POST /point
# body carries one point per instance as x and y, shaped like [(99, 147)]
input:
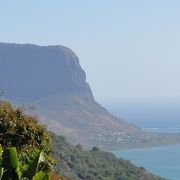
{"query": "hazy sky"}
[(130, 49)]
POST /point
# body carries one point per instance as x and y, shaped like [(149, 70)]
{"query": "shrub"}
[(21, 131), (24, 133)]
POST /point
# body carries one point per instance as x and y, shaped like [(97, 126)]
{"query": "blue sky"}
[(129, 49)]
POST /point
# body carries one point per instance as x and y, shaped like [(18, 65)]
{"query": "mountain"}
[(51, 79)]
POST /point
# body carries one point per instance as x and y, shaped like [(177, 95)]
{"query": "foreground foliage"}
[(74, 162), (10, 167), (26, 144), (23, 132)]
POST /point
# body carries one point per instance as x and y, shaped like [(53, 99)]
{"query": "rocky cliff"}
[(51, 78), (32, 72)]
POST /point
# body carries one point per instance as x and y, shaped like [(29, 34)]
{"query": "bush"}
[(21, 131), (24, 133)]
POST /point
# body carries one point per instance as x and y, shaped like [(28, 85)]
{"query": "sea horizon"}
[(147, 115)]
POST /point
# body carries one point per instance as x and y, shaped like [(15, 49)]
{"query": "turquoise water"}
[(163, 161), (154, 117)]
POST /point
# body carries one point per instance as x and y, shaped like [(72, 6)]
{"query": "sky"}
[(130, 50)]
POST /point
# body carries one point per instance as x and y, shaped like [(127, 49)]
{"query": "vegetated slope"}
[(30, 139), (25, 148), (51, 78), (76, 163)]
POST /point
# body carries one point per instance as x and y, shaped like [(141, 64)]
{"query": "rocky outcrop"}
[(30, 72)]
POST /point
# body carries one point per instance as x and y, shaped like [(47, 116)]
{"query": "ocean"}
[(156, 117), (163, 161)]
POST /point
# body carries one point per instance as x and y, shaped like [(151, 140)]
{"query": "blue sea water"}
[(155, 117), (163, 161)]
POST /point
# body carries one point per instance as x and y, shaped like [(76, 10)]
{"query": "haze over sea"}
[(157, 117), (163, 114)]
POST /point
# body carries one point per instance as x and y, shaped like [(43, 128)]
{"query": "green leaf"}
[(18, 172), (10, 159), (1, 172), (1, 150), (11, 164), (40, 176), (38, 157)]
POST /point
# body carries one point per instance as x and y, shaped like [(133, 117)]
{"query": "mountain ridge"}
[(51, 78)]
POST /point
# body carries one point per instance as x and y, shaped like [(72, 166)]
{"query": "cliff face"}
[(30, 72), (51, 78)]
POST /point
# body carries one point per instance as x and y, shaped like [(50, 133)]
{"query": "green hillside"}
[(74, 162)]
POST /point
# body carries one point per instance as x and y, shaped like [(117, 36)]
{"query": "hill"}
[(51, 78), (95, 164)]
